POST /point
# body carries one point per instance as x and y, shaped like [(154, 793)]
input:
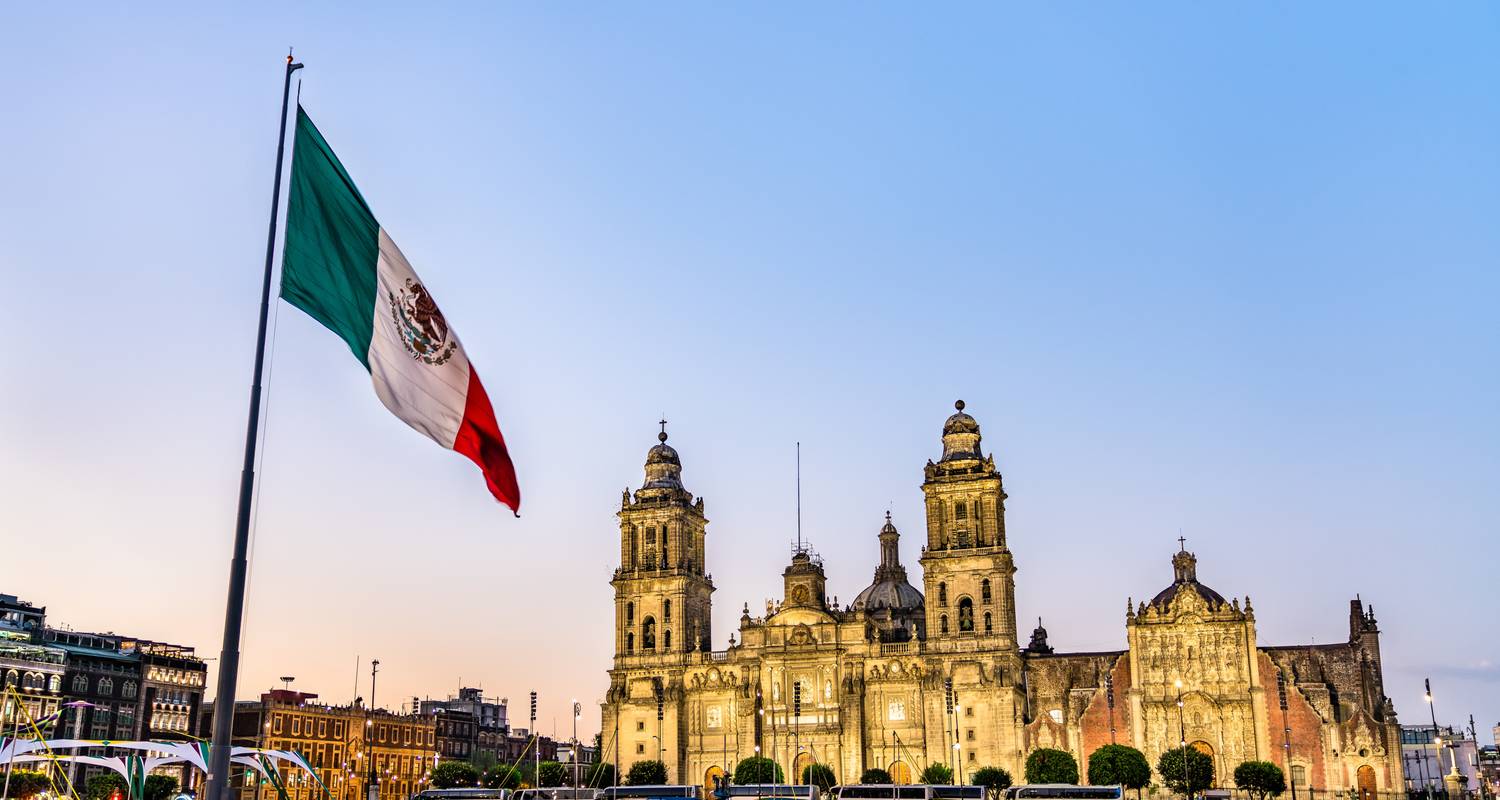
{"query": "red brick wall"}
[(1094, 724), (1306, 725)]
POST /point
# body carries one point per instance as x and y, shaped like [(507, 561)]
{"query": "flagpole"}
[(234, 610)]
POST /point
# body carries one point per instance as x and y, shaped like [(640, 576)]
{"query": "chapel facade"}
[(900, 678)]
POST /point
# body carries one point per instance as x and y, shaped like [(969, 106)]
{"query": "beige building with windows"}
[(900, 679)]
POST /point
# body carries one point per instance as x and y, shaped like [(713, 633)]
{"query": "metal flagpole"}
[(234, 610)]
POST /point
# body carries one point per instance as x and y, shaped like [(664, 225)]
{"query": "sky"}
[(1223, 271)]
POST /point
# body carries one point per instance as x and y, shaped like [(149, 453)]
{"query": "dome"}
[(960, 422), (961, 437), (662, 453), (1185, 570), (890, 589), (663, 466)]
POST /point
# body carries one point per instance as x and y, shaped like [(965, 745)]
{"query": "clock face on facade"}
[(799, 595)]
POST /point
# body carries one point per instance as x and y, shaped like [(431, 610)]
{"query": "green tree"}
[(646, 773), (1046, 765), (1260, 779), (758, 769), (160, 787), (551, 773), (101, 786), (1193, 776), (503, 776), (455, 775), (484, 760), (995, 779), (875, 775), (819, 775), (1122, 764), (25, 783), (600, 775), (936, 773)]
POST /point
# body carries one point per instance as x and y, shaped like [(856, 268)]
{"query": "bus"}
[(910, 791), (1065, 791), (555, 793), (648, 793), (462, 794), (773, 791)]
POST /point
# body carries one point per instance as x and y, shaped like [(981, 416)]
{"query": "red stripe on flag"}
[(479, 438)]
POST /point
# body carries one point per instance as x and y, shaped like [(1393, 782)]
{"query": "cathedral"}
[(901, 678)]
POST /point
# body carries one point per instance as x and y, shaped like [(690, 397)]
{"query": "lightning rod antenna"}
[(799, 497)]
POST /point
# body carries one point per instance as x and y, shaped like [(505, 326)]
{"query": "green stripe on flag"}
[(332, 243)]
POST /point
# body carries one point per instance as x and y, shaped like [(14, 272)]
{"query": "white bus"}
[(1064, 791), (463, 794), (555, 793), (648, 793), (773, 791), (910, 791)]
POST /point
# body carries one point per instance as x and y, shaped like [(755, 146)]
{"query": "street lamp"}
[(1187, 785), (577, 712)]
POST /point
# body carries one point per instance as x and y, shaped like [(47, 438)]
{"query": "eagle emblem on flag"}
[(423, 330)]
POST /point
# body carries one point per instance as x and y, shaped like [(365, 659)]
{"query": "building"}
[(338, 742), (1430, 754), (469, 726), (32, 672), (102, 687), (903, 678)]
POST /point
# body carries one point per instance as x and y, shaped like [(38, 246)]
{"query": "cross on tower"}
[(1182, 543), (663, 435)]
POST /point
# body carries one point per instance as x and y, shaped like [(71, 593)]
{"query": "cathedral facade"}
[(902, 678)]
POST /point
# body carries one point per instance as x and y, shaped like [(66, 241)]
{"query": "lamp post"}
[(1187, 784), (372, 781), (577, 712), (1432, 710), (1286, 728), (1478, 776)]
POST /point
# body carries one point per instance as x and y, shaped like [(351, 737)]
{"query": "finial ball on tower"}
[(959, 405)]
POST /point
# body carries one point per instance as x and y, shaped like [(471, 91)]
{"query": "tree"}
[(502, 776), (454, 775), (600, 775), (160, 787), (818, 775), (1046, 765), (551, 773), (995, 779), (937, 774), (646, 773), (875, 775), (758, 769), (25, 783), (1261, 779), (1191, 777), (1119, 764), (101, 786)]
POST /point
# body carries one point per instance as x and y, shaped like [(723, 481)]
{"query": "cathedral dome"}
[(663, 466), (662, 453), (890, 589), (1185, 573), (961, 437)]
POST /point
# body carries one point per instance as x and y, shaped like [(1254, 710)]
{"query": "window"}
[(943, 624), (106, 686), (969, 712), (666, 639), (80, 683), (648, 634), (963, 539), (966, 615), (296, 726), (988, 626), (640, 726), (276, 723), (630, 642), (639, 748), (666, 611), (54, 684), (942, 594), (969, 735), (630, 613), (322, 728), (635, 547), (961, 510), (1299, 775), (128, 690), (984, 590)]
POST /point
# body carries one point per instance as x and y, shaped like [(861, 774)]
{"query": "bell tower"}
[(662, 588), (967, 570)]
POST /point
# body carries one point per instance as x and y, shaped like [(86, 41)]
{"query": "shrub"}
[(758, 769), (818, 775), (1261, 779), (1197, 775), (995, 779), (646, 773), (875, 775), (1046, 765), (937, 774), (1122, 764)]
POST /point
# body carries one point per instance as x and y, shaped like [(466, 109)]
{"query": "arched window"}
[(630, 642), (630, 613), (984, 590), (961, 510), (635, 548), (106, 686), (965, 615), (943, 624), (666, 639), (80, 684), (648, 634), (988, 625), (942, 594), (31, 681), (11, 677), (666, 611), (54, 684), (128, 690)]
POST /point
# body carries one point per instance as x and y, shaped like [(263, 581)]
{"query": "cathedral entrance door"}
[(1365, 776), (804, 760), (900, 772), (708, 780)]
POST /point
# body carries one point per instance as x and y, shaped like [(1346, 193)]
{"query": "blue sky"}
[(1225, 270)]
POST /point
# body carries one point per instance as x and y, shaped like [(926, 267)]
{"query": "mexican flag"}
[(342, 268)]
